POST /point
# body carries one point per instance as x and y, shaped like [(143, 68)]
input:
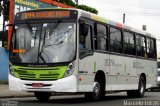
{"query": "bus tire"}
[(42, 96), (141, 89), (98, 91)]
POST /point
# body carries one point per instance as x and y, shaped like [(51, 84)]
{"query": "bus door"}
[(86, 62)]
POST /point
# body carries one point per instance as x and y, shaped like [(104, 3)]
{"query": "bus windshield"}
[(43, 42)]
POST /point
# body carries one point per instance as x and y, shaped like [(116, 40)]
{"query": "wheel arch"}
[(101, 75)]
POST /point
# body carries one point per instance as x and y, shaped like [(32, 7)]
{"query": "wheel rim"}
[(96, 90)]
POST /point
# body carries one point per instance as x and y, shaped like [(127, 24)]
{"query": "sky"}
[(138, 12)]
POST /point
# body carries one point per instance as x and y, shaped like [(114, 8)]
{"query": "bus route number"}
[(109, 62)]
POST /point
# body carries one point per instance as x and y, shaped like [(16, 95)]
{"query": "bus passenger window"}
[(151, 48), (140, 46), (101, 38), (115, 40), (85, 39), (129, 45)]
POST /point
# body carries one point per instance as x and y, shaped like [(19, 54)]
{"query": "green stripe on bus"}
[(95, 67)]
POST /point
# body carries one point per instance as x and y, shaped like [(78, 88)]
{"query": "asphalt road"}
[(117, 99)]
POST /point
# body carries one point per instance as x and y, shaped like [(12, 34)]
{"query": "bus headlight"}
[(70, 69)]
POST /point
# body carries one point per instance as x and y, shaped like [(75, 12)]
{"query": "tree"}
[(83, 7), (4, 9), (87, 8), (67, 2)]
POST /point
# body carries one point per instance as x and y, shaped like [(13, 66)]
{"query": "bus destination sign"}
[(45, 14)]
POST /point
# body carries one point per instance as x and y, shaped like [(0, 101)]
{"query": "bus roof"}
[(95, 17)]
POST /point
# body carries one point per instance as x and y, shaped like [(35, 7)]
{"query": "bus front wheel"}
[(98, 91), (42, 96)]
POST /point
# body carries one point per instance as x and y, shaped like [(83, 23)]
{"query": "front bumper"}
[(68, 84)]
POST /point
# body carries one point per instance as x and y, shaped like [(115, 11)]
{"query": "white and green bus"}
[(73, 51)]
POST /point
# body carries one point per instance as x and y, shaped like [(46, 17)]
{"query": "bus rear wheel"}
[(141, 89), (42, 96), (98, 91)]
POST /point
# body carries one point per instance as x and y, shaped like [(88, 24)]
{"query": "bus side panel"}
[(89, 66), (149, 68), (122, 74)]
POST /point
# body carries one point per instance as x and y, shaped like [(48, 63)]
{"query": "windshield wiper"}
[(43, 43)]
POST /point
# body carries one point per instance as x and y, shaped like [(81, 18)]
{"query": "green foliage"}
[(87, 8), (4, 9), (67, 2), (83, 7)]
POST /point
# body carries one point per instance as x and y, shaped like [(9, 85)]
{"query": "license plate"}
[(37, 84)]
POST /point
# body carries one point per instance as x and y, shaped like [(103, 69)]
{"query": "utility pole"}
[(77, 2), (144, 27), (124, 18)]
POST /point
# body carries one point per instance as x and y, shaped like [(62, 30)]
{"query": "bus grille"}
[(39, 74)]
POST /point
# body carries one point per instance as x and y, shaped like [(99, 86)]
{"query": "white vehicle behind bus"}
[(158, 74)]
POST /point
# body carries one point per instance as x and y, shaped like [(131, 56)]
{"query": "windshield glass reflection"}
[(43, 43)]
